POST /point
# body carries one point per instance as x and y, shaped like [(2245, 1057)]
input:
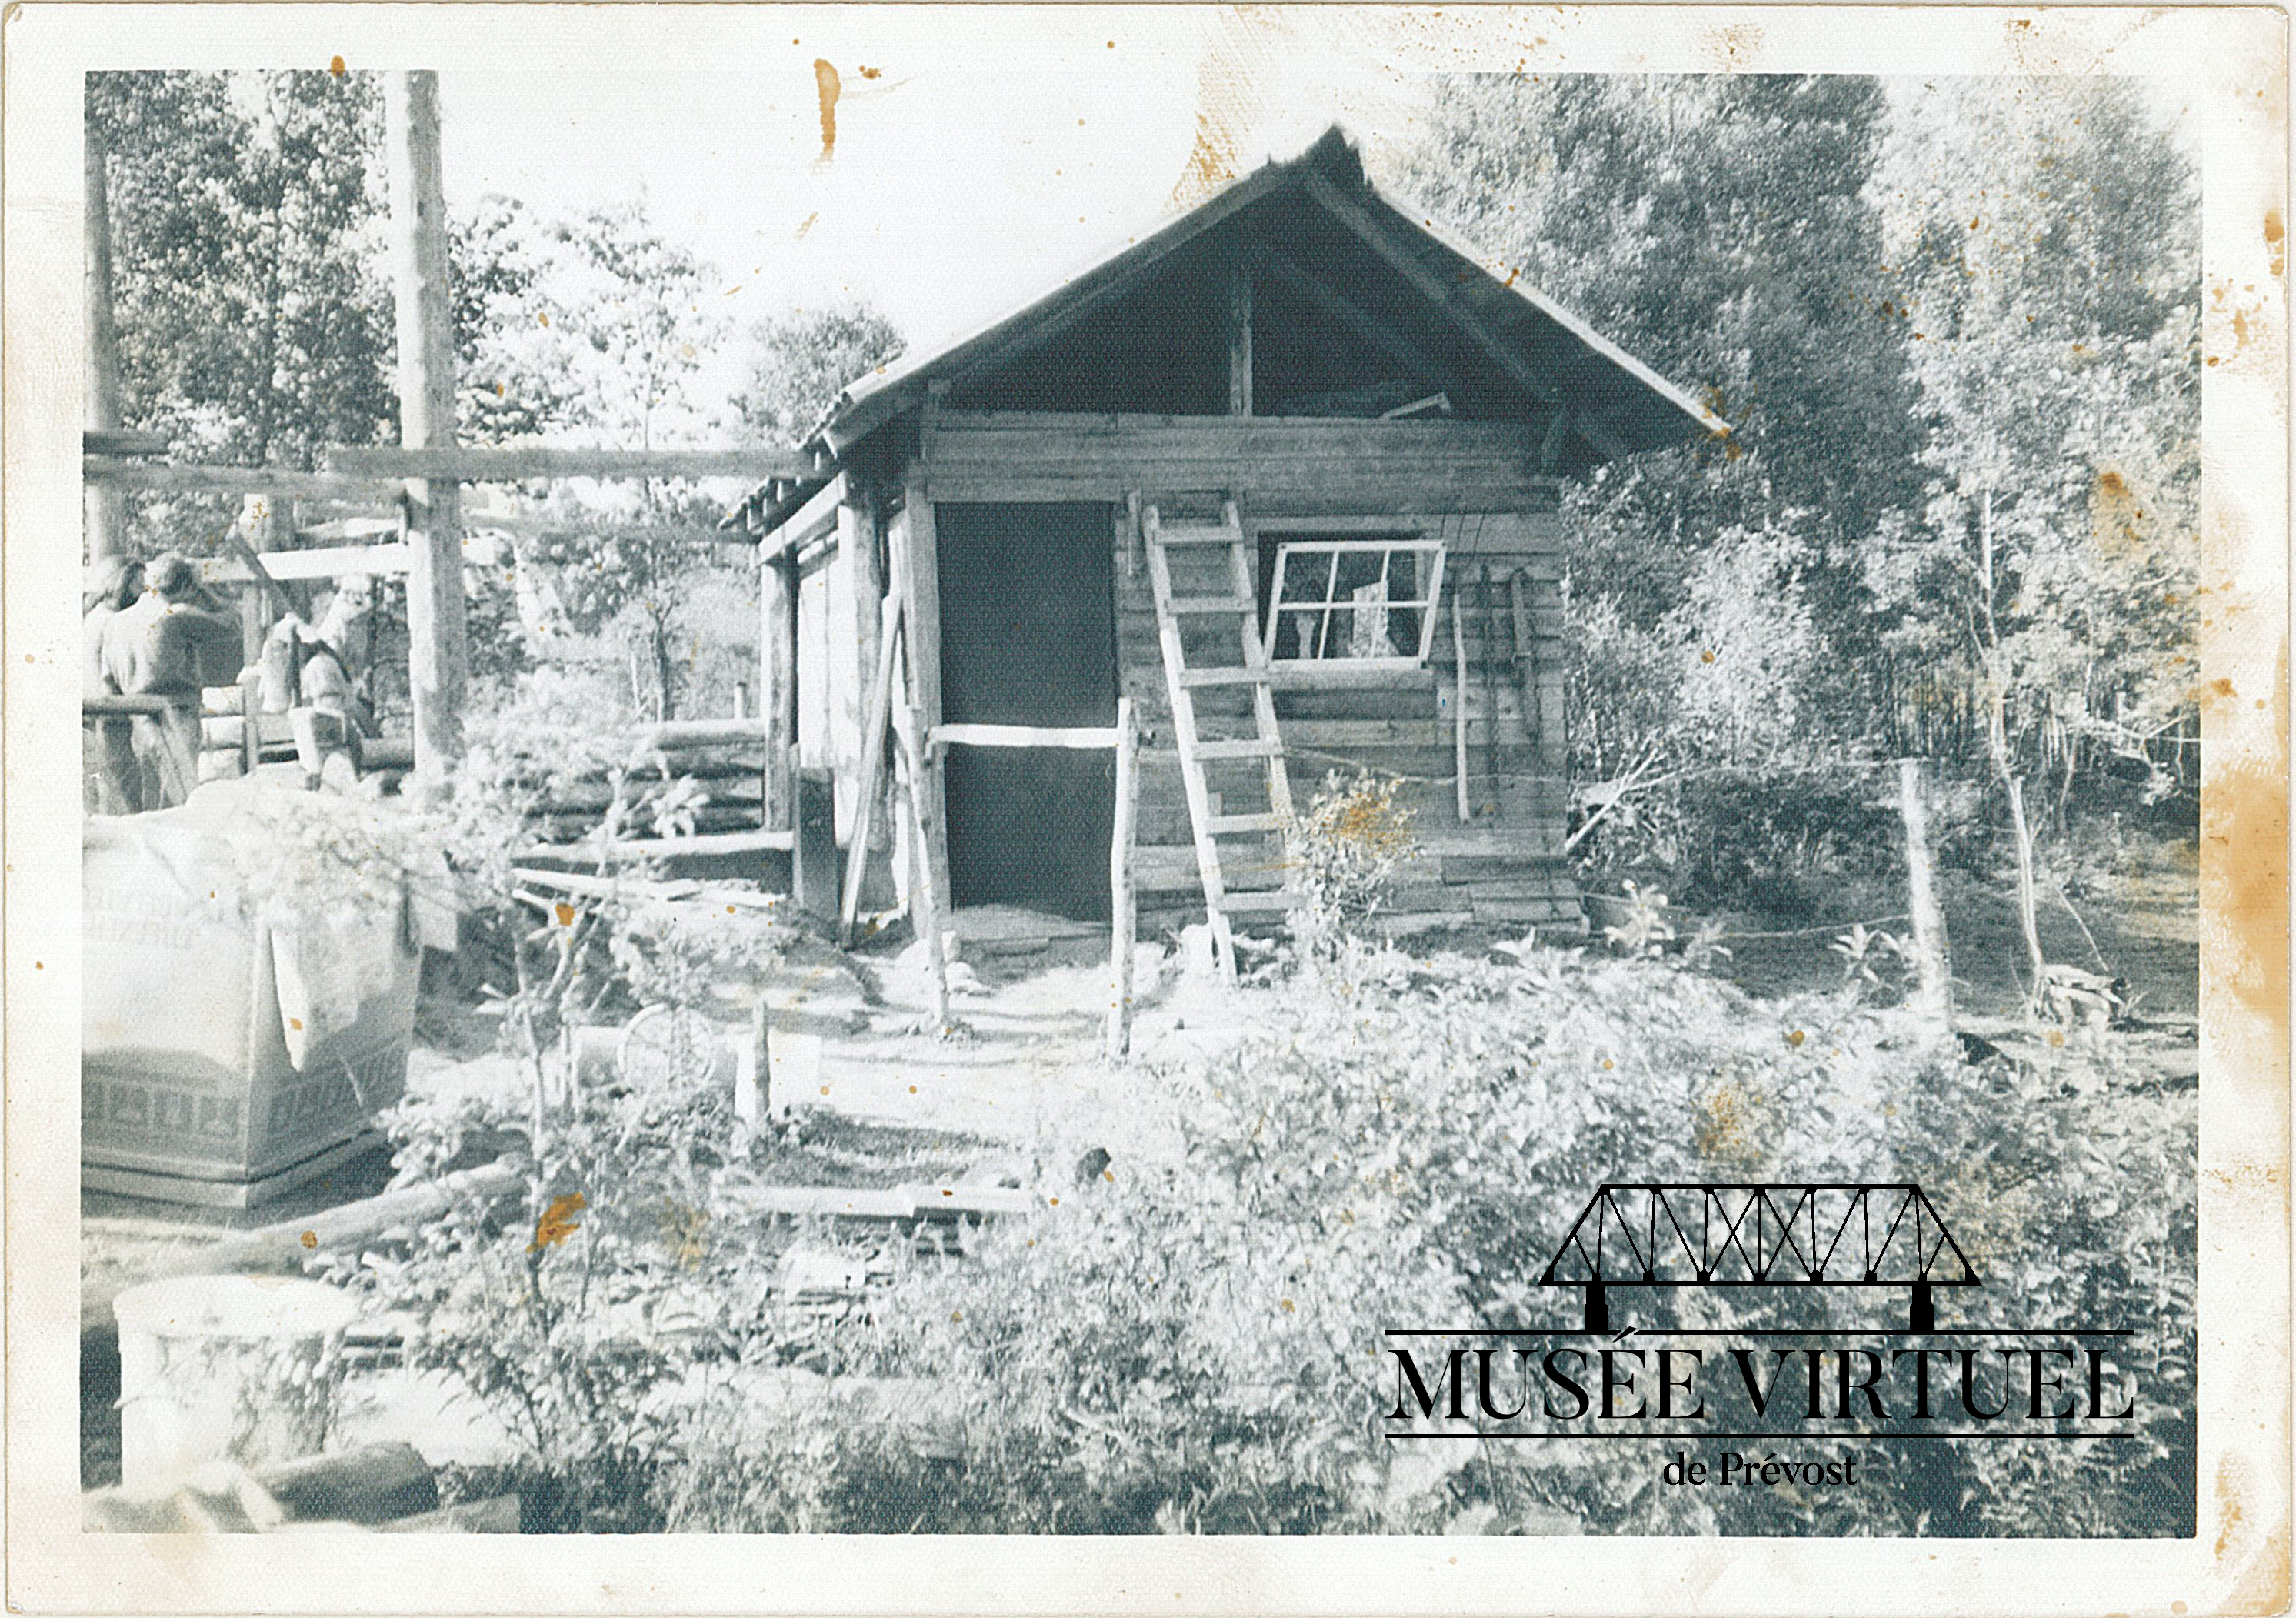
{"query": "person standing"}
[(107, 761), (151, 649)]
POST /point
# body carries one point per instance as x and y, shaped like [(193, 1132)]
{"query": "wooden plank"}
[(512, 466), (860, 541), (331, 562), (1075, 738), (769, 840), (438, 630), (917, 568), (875, 723), (777, 681), (1123, 910), (925, 910), (121, 441)]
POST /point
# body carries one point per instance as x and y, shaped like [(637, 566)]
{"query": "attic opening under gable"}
[(1335, 332)]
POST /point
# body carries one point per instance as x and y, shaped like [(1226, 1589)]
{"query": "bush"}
[(1342, 855)]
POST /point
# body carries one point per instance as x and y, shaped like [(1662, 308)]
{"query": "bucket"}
[(217, 1368)]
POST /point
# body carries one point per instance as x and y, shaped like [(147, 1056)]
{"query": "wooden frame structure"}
[(1280, 351), (1277, 352)]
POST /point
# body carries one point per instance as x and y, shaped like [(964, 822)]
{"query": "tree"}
[(2047, 244), (591, 328), (254, 325), (1719, 227), (805, 360)]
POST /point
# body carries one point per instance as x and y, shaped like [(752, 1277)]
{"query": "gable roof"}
[(1617, 404)]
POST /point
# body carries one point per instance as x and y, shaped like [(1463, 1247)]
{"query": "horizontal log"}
[(1077, 738), (516, 464), (282, 1248), (679, 734), (121, 441), (160, 477), (154, 703)]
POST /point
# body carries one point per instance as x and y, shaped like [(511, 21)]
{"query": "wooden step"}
[(1202, 605), (1255, 903), (1192, 679), (1229, 826), (1246, 747), (1194, 533)]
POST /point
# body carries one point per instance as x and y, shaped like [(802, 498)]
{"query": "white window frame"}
[(1324, 607)]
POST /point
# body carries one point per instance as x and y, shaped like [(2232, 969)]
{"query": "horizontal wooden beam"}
[(120, 441), (517, 464), (1078, 738), (330, 561), (160, 477)]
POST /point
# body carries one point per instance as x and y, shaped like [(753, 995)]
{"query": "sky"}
[(975, 163)]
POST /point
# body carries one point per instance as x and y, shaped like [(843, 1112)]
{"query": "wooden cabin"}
[(1284, 473)]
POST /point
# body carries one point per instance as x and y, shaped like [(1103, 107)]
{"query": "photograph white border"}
[(2231, 65)]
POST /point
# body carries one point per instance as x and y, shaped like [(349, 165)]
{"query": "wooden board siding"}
[(1506, 868), (1305, 465)]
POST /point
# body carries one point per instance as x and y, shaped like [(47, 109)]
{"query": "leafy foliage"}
[(805, 360)]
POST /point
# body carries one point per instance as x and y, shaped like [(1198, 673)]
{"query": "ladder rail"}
[(1206, 824), (1183, 737)]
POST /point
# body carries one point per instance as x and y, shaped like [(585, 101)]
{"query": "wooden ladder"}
[(1239, 603)]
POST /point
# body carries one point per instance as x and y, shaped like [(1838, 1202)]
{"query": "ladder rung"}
[(1194, 533), (1191, 678), (1213, 603), (1265, 903), (1222, 825), (1247, 747)]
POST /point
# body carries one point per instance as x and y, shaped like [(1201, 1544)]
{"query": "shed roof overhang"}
[(1618, 405)]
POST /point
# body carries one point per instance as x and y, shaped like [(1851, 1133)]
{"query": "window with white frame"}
[(1367, 601)]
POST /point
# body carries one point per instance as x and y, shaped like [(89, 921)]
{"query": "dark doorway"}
[(1027, 637)]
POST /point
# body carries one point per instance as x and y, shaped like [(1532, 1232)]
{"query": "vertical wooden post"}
[(777, 641), (1123, 921), (1459, 696), (753, 1069), (250, 719), (925, 901), (858, 538), (103, 504), (438, 630), (917, 566), (1933, 976), (270, 524)]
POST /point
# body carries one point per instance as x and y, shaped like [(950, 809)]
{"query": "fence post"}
[(1122, 918), (1933, 978)]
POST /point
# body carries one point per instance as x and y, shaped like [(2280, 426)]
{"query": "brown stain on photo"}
[(2275, 237), (558, 1221), (2244, 820), (827, 87)]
